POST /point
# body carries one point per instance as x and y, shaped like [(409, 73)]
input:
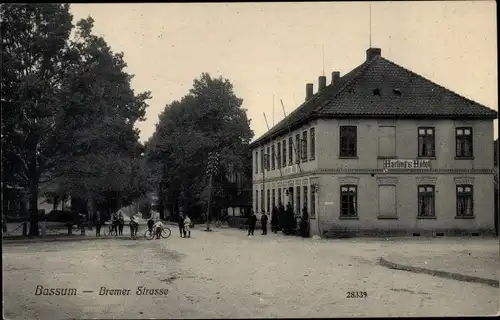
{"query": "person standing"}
[(121, 223), (263, 221), (134, 226), (98, 224), (114, 223), (187, 226), (252, 221), (181, 226)]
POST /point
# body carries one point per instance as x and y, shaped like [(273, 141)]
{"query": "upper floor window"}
[(426, 201), (465, 198), (348, 141), (256, 162), (278, 156), (268, 153), (273, 157), (312, 153), (297, 148), (464, 142), (290, 151), (304, 146), (386, 141), (426, 142), (284, 153), (348, 201)]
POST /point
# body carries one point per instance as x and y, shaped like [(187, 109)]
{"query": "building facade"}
[(381, 148)]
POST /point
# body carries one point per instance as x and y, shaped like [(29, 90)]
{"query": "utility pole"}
[(213, 160)]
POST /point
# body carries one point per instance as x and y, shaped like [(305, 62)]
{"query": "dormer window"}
[(376, 92), (397, 92)]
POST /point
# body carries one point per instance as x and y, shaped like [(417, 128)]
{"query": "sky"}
[(269, 51)]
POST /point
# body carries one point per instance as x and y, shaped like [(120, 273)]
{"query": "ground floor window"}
[(426, 201), (262, 198), (305, 197), (312, 214), (256, 200), (297, 197), (348, 201), (268, 199), (387, 200), (279, 196), (274, 198), (465, 201)]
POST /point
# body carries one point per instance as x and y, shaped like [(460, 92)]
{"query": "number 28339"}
[(357, 294)]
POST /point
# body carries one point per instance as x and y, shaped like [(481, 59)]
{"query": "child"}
[(158, 227), (187, 226)]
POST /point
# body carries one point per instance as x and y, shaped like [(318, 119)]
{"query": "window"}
[(262, 198), (304, 146), (297, 197), (290, 151), (305, 197), (290, 197), (465, 201), (426, 201), (464, 142), (274, 199), (278, 157), (348, 201), (387, 200), (386, 142), (279, 196), (268, 154), (297, 148), (262, 163), (268, 199), (426, 147), (256, 200), (348, 141), (273, 157), (312, 154), (284, 153), (256, 162), (312, 214)]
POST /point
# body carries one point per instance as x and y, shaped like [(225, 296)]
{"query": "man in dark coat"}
[(263, 221), (252, 221), (181, 226)]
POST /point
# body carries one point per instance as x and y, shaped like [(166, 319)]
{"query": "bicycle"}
[(110, 231), (151, 234), (221, 222)]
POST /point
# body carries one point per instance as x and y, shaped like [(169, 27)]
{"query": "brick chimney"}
[(372, 53), (321, 83), (335, 76), (309, 91)]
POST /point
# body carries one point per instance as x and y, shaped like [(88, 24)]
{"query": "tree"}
[(68, 109), (104, 153), (209, 118), (35, 56)]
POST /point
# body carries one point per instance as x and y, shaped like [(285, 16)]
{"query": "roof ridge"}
[(363, 67), (434, 83)]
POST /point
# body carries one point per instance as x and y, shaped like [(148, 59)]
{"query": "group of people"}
[(252, 222), (185, 225), (156, 227)]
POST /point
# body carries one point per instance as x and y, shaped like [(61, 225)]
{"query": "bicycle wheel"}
[(218, 223), (149, 235), (166, 233)]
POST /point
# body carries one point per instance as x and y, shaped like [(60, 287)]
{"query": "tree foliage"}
[(68, 109), (209, 118)]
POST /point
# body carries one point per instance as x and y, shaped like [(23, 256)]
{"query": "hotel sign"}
[(418, 164)]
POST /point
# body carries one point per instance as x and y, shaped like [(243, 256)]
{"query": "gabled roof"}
[(402, 94)]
